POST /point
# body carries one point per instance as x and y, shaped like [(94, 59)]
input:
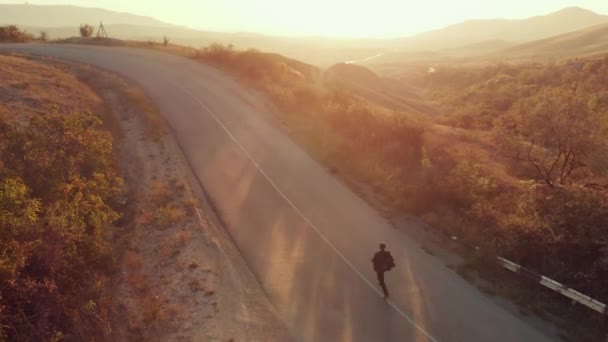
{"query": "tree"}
[(166, 41), (86, 30), (554, 131), (44, 36), (12, 33)]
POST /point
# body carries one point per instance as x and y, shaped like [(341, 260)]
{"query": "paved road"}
[(307, 238)]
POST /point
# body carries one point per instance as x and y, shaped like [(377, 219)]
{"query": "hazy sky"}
[(351, 18)]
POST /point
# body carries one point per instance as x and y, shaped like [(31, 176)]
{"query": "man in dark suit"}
[(383, 261)]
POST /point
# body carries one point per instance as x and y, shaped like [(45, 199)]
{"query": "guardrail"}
[(546, 282), (554, 285)]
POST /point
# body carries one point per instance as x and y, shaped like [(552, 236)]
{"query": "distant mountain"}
[(322, 52), (63, 22), (475, 31), (62, 16), (586, 42), (465, 40), (479, 48)]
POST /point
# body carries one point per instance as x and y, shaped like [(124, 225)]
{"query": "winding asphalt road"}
[(307, 238)]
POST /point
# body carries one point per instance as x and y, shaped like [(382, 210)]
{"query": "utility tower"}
[(101, 31)]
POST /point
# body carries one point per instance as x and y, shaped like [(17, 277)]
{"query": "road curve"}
[(307, 238)]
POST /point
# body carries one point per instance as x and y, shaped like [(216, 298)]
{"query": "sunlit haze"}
[(336, 18)]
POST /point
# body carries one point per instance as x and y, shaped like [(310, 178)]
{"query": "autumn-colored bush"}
[(13, 34), (548, 124), (474, 97), (57, 185), (43, 36), (257, 66), (86, 30)]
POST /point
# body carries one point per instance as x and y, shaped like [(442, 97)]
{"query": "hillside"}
[(62, 16), (479, 48), (385, 92), (474, 31), (586, 42), (569, 32)]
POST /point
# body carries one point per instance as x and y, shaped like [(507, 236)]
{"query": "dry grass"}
[(153, 310), (28, 88), (193, 265), (160, 193), (170, 215), (131, 98), (133, 261), (195, 285), (138, 281), (99, 285), (167, 250), (183, 237), (179, 50), (155, 124), (134, 275), (144, 217), (170, 209)]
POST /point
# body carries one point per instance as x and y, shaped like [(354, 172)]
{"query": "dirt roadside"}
[(181, 277)]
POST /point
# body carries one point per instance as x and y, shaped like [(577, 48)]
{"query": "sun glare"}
[(365, 18), (333, 18)]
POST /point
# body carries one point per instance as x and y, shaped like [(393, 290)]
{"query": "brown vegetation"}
[(13, 34), (86, 30), (381, 91), (58, 186), (58, 183), (28, 89), (548, 123), (44, 36)]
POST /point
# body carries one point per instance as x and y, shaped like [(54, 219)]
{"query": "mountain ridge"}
[(566, 20), (586, 42), (70, 15), (470, 38)]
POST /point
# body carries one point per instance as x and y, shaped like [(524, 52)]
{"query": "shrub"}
[(12, 34), (217, 53), (86, 30), (44, 36), (56, 187)]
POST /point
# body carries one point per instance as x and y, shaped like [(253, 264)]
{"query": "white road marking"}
[(304, 217)]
